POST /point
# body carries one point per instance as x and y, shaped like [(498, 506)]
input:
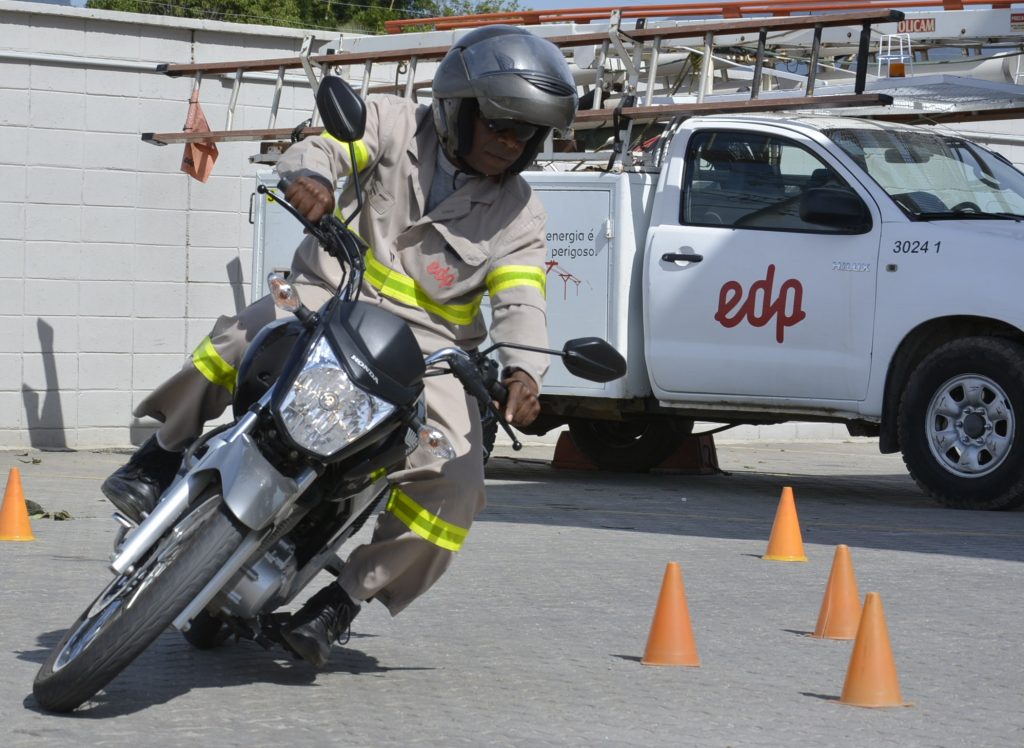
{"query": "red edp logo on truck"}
[(759, 308)]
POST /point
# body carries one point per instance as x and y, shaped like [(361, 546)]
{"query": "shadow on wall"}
[(42, 411), (43, 414), (142, 429), (237, 280)]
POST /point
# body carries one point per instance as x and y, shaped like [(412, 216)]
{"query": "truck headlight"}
[(323, 410)]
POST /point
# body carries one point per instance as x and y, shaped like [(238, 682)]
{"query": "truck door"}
[(748, 293)]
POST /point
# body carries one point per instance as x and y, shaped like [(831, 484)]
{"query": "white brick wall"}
[(113, 263)]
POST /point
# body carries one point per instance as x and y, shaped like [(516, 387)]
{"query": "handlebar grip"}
[(498, 393)]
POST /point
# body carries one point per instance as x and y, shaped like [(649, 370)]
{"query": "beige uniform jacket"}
[(486, 236)]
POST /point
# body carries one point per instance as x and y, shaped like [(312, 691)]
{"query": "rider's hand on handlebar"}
[(310, 197), (522, 406)]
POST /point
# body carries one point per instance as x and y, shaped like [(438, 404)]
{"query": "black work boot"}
[(136, 487), (315, 627)]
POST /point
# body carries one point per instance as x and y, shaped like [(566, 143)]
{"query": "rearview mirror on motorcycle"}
[(593, 359), (341, 109)]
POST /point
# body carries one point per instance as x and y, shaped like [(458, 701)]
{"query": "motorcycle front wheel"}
[(137, 606)]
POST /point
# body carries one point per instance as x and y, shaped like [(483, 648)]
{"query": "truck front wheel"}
[(628, 446), (961, 424)]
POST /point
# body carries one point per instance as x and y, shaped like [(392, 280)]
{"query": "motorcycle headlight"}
[(324, 410)]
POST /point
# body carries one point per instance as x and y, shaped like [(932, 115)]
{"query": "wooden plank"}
[(594, 116), (667, 111), (226, 136)]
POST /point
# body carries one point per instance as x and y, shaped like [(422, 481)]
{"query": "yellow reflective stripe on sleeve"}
[(428, 526), (362, 154), (404, 289), (509, 276), (210, 364)]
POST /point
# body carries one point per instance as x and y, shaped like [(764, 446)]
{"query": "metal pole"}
[(862, 59), (411, 79), (812, 66), (278, 85), (705, 67), (234, 98), (755, 84), (652, 71)]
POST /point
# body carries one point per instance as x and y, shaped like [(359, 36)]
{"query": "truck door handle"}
[(677, 257)]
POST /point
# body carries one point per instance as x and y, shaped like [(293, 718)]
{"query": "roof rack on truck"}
[(639, 53), (650, 64)]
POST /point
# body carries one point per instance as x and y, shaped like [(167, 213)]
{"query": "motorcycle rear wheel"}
[(137, 606)]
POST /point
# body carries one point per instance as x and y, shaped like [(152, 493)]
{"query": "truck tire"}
[(633, 446), (136, 607), (961, 424)]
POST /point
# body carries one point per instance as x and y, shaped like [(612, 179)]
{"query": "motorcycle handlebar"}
[(479, 375), (498, 393)]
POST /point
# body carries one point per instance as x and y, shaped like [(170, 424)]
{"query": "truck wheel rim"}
[(970, 426)]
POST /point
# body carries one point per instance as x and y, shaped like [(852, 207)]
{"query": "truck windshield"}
[(933, 176)]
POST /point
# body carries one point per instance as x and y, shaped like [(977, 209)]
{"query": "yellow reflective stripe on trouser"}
[(428, 526), (509, 276), (210, 364), (402, 288), (362, 155)]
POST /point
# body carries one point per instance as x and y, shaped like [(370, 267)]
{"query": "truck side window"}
[(746, 180)]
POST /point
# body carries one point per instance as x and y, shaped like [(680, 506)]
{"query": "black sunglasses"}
[(522, 131)]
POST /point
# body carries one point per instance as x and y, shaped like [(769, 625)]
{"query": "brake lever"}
[(468, 372)]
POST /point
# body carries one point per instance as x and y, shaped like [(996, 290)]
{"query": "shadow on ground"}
[(883, 511)]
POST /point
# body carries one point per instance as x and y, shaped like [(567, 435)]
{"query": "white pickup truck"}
[(768, 269)]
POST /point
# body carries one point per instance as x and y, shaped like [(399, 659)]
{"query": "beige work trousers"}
[(397, 565)]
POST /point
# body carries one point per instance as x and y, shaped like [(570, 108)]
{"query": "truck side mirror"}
[(593, 359), (341, 109), (837, 208)]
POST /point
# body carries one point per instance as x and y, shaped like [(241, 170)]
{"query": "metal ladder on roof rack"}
[(638, 52)]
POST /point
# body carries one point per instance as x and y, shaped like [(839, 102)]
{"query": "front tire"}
[(633, 446), (137, 606), (961, 424)]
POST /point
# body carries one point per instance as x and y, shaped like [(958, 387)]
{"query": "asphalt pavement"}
[(535, 635)]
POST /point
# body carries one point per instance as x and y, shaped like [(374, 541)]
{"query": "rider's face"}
[(495, 148)]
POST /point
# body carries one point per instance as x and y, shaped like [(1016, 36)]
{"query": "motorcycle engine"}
[(256, 584)]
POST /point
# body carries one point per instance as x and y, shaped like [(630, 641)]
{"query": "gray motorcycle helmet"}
[(502, 72)]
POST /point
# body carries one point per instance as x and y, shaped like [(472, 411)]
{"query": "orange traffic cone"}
[(871, 676), (840, 608), (785, 543), (14, 524), (670, 641)]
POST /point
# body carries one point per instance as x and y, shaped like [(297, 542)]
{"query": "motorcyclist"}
[(446, 217)]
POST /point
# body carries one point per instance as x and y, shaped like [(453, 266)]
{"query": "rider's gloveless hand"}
[(522, 406), (311, 197)]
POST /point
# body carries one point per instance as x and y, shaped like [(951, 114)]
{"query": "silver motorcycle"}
[(327, 404)]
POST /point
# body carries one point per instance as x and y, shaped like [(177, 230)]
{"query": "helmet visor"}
[(522, 131)]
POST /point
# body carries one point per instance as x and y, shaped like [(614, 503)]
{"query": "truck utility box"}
[(597, 223)]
